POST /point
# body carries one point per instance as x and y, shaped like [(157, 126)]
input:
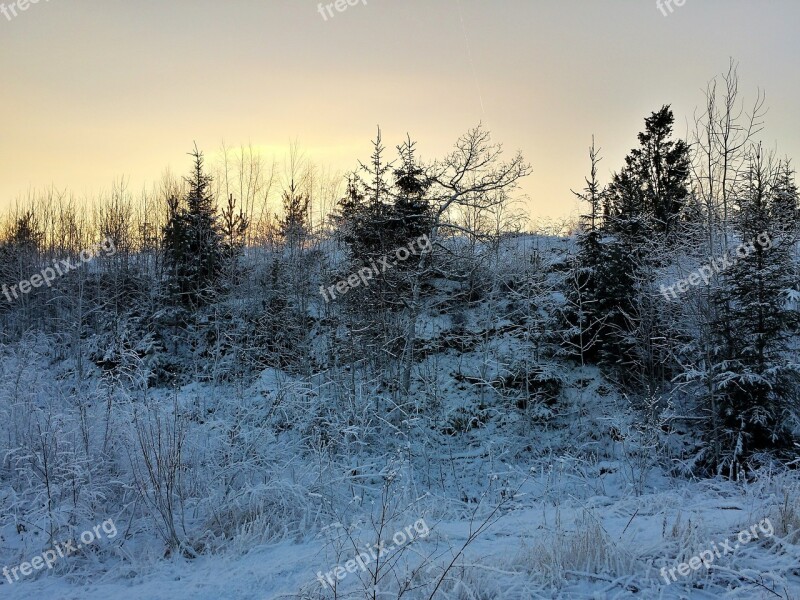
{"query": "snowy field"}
[(574, 505)]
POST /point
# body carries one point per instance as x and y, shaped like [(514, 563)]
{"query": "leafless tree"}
[(473, 177)]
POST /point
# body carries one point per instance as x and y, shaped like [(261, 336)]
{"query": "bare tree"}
[(474, 176), (723, 133)]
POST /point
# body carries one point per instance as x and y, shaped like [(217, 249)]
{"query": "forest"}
[(267, 368)]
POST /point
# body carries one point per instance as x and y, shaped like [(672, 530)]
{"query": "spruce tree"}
[(293, 224), (382, 211), (411, 211), (643, 206), (582, 322), (655, 180), (754, 372), (193, 245)]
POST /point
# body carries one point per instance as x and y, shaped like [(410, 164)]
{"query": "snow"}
[(572, 524), (573, 493), (535, 540)]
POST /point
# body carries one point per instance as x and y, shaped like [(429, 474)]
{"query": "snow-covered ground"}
[(596, 548), (568, 509), (504, 474)]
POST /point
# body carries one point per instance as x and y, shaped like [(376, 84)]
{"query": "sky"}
[(95, 90)]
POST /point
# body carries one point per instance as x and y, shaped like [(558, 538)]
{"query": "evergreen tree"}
[(412, 210), (642, 206), (386, 209), (234, 229), (293, 225), (754, 373), (582, 321), (655, 180), (365, 212), (19, 257), (784, 209), (193, 241)]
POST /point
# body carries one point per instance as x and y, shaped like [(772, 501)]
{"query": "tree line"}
[(208, 284)]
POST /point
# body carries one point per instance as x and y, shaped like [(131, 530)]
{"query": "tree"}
[(234, 229), (654, 183), (365, 215), (473, 177), (20, 254), (724, 131), (293, 225), (784, 208), (192, 241), (412, 209), (582, 322), (642, 205), (384, 210), (755, 375), (387, 207)]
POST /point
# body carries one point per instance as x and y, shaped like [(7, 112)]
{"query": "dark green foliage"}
[(192, 242), (234, 228), (379, 216), (641, 207), (294, 222), (653, 186), (754, 372), (599, 286)]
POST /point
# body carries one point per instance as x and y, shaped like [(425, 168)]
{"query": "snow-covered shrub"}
[(787, 515), (157, 465), (586, 548)]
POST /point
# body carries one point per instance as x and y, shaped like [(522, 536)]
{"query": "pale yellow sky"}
[(93, 90)]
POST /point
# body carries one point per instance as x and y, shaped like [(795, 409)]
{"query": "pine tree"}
[(383, 211), (754, 373), (193, 241), (643, 206), (365, 213), (19, 258), (293, 225), (411, 210), (655, 180), (234, 229), (582, 322), (785, 211), (786, 214), (621, 255)]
